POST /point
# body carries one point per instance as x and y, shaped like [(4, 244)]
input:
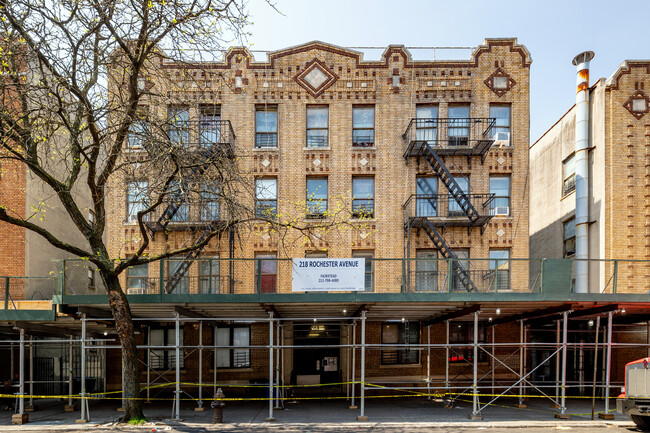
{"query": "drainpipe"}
[(581, 61)]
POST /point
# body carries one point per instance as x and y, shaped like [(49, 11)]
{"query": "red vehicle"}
[(635, 400)]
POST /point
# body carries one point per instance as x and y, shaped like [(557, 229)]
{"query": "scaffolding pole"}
[(593, 389), (70, 376), (608, 361), (21, 373), (148, 365), (522, 354), (565, 320), (214, 355), (429, 362), (277, 367), (270, 418), (362, 416), (200, 402), (557, 361), (177, 349), (31, 372), (354, 362), (476, 414), (493, 357), (85, 414), (447, 355)]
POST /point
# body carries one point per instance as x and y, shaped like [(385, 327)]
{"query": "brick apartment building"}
[(421, 167)]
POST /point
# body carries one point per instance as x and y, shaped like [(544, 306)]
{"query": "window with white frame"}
[(165, 359), (426, 271), (569, 235), (209, 275), (569, 175), (501, 114), (363, 126), (499, 270), (500, 187), (237, 337), (179, 125), (369, 270), (406, 332), (137, 199), (363, 197), (137, 279), (317, 126), (266, 126), (426, 123), (266, 197), (316, 197)]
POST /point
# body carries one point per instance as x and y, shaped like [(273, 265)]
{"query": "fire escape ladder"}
[(459, 270), (178, 199), (454, 189), (181, 270)]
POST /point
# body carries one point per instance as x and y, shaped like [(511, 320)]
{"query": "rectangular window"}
[(454, 208), (463, 333), (363, 197), (235, 336), (426, 271), (316, 197), (179, 125), (501, 114), (178, 281), (317, 126), (426, 196), (459, 121), (209, 275), (363, 126), (266, 272), (266, 126), (137, 199), (400, 333), (165, 359), (499, 270), (209, 201), (460, 271), (569, 174), (209, 126), (500, 187), (369, 280), (178, 207), (426, 124), (137, 279), (138, 134), (266, 197), (569, 234)]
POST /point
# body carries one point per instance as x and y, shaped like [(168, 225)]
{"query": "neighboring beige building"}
[(619, 178)]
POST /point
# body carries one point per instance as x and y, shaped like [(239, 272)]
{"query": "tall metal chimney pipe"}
[(581, 61)]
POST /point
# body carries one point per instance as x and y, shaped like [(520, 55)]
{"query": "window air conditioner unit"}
[(135, 291), (502, 211), (502, 139)]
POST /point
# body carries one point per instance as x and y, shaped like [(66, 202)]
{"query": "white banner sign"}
[(328, 275)]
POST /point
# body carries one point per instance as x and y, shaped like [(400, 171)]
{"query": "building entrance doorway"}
[(312, 364)]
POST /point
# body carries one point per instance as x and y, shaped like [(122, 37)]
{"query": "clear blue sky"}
[(553, 31)]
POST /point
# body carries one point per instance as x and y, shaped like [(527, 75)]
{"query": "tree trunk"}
[(130, 364)]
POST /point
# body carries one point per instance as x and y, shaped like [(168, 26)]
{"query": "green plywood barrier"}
[(556, 277)]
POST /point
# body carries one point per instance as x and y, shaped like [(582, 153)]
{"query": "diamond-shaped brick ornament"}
[(501, 160), (316, 162), (500, 233), (500, 82), (316, 78), (363, 162), (266, 236), (638, 104), (364, 235), (266, 163)]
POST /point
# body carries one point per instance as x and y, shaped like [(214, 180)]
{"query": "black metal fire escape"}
[(222, 147), (477, 143)]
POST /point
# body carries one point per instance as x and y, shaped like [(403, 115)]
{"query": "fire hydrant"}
[(217, 406)]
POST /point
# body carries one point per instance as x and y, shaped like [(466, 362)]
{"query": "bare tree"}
[(58, 63), (80, 82)]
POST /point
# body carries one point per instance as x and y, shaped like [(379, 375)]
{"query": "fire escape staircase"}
[(461, 198), (199, 231)]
